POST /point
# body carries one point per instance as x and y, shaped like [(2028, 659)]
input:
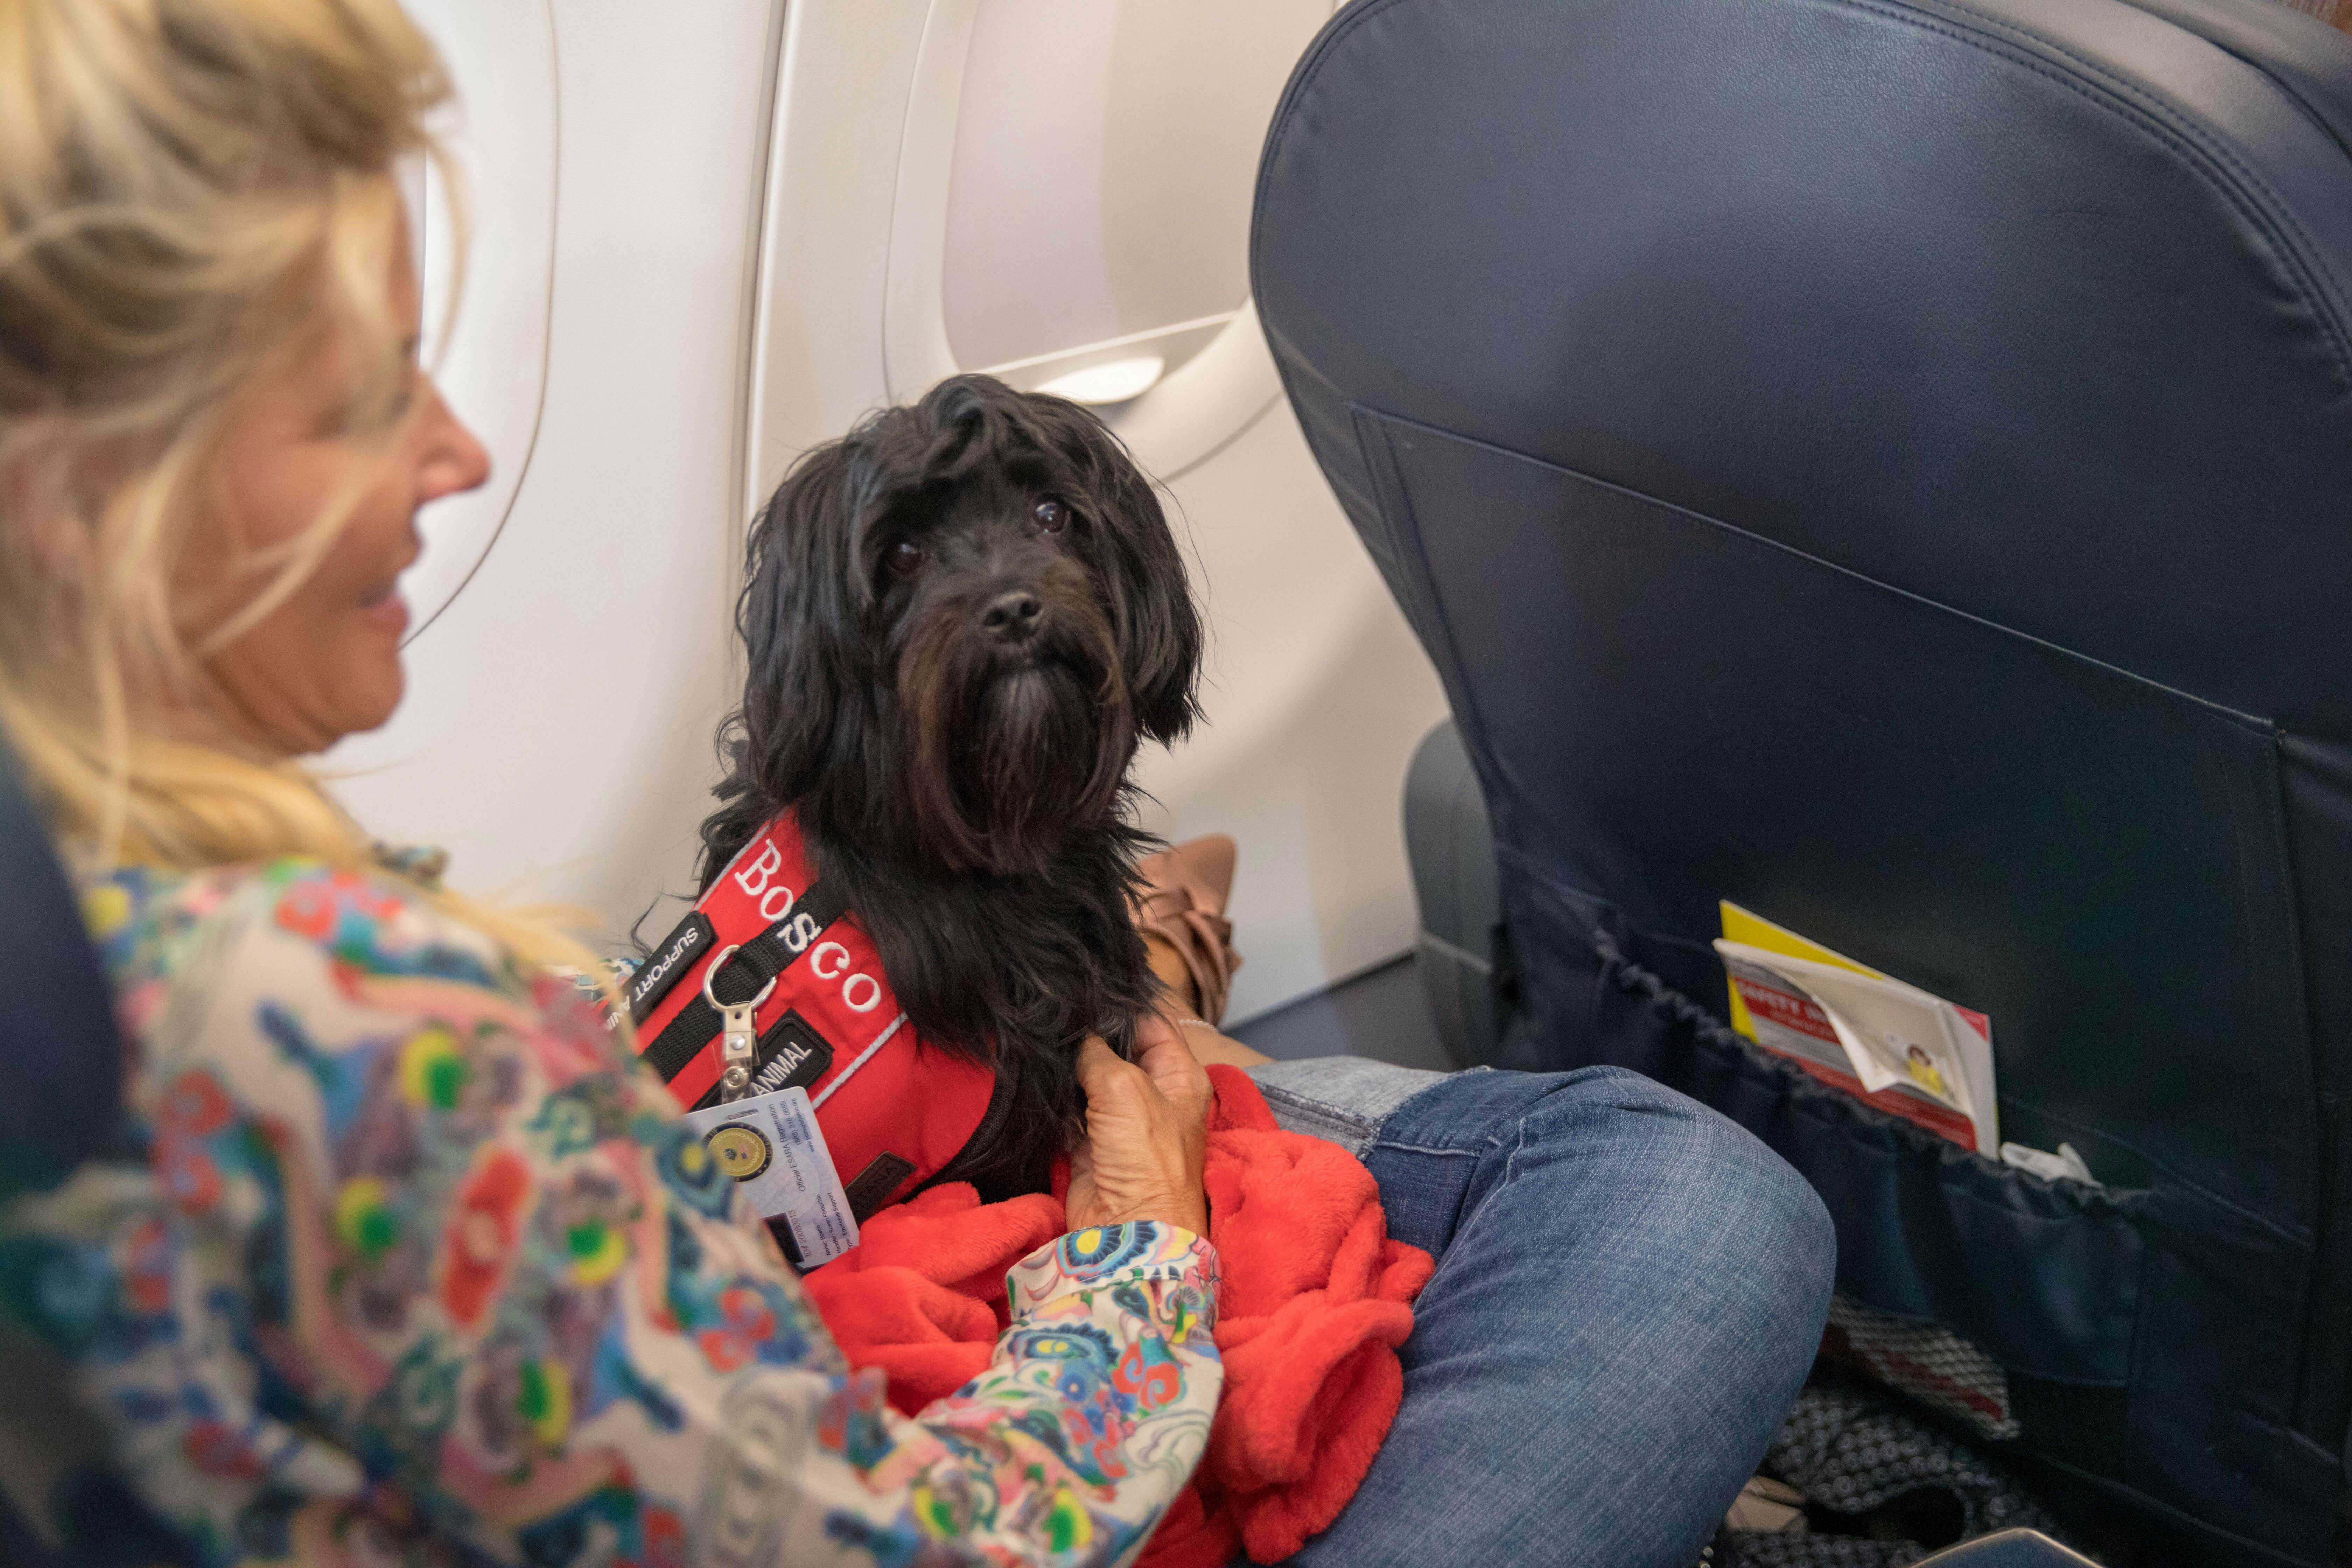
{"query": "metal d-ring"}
[(718, 961)]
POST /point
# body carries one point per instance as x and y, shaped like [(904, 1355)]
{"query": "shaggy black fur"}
[(962, 619)]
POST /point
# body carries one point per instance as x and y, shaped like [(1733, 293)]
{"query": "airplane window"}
[(491, 360), (1097, 214)]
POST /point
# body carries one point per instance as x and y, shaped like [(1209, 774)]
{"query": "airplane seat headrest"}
[(59, 1055), (1888, 464), (61, 1066)]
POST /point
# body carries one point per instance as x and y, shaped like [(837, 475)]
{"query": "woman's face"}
[(325, 663)]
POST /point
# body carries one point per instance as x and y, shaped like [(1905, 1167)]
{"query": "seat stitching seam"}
[(2161, 122), (2129, 103), (2250, 720)]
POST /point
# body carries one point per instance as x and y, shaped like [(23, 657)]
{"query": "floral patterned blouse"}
[(418, 1267)]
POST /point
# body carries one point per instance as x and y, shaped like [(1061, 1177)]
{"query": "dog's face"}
[(962, 619)]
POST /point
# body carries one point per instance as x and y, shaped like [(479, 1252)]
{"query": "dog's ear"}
[(1158, 625), (802, 617), (799, 618)]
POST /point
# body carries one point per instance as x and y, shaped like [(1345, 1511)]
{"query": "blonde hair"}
[(193, 195)]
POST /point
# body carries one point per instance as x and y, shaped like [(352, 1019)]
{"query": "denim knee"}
[(1630, 1291), (1725, 1204), (1712, 1198)]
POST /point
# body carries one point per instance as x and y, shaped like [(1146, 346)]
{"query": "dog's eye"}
[(904, 557), (1052, 516)]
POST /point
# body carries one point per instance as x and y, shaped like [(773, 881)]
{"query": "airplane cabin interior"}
[(1798, 550)]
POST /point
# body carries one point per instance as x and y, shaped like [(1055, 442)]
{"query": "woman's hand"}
[(1147, 1133)]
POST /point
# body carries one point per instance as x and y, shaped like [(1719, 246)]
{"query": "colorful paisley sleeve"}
[(418, 1267)]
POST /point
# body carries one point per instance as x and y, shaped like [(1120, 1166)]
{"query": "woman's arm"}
[(409, 1215)]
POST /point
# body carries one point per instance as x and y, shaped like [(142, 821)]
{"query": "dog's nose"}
[(1013, 616)]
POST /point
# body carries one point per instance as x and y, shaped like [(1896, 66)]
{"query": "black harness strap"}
[(749, 968), (992, 1122), (871, 1187)]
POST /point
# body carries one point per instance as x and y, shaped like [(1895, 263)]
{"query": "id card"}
[(771, 1144)]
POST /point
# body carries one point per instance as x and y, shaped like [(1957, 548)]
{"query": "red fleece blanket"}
[(1314, 1299)]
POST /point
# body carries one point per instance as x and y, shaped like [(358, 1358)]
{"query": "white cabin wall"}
[(1316, 694), (557, 732)]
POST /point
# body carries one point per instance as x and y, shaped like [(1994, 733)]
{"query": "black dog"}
[(962, 618)]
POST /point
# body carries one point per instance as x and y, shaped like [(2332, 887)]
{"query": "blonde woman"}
[(407, 1264), (413, 1266)]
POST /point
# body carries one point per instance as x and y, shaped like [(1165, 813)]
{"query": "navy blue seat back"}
[(1888, 464), (60, 1100)]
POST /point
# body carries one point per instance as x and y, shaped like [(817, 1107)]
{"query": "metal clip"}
[(739, 1038)]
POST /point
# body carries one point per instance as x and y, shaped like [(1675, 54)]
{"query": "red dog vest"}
[(893, 1115)]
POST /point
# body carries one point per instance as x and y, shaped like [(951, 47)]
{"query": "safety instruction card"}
[(1903, 1050)]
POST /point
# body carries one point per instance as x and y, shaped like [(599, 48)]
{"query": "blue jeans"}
[(1629, 1292)]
